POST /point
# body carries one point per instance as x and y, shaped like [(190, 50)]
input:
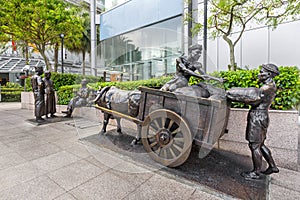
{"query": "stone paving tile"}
[(39, 188), (65, 142), (159, 187), (22, 144), (4, 149), (47, 130), (18, 174), (79, 150), (101, 157), (198, 194), (55, 136), (15, 137), (280, 193), (105, 186), (10, 159), (63, 127), (75, 174), (65, 196), (32, 153), (134, 174), (55, 161), (287, 178), (94, 161)]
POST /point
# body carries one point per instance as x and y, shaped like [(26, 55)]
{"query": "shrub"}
[(71, 79), (133, 85), (11, 92), (287, 96), (65, 93), (65, 79)]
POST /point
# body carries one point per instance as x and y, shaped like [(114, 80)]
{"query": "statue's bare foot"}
[(250, 175), (271, 170)]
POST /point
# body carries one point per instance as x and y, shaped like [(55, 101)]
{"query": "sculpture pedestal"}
[(282, 136)]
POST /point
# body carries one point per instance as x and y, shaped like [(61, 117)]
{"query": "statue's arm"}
[(251, 96)]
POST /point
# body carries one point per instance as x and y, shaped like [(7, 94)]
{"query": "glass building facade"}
[(141, 39), (144, 53)]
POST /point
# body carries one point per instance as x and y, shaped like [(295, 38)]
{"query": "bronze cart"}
[(170, 123)]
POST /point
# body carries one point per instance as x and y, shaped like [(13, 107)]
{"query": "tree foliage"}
[(39, 22), (83, 44), (230, 18)]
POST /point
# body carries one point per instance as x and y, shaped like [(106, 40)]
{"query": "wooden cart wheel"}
[(167, 138)]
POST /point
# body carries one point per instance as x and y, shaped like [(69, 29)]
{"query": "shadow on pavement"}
[(48, 120), (220, 170)]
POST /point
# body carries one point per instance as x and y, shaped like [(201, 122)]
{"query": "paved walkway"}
[(50, 162)]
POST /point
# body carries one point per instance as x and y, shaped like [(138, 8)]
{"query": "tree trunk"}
[(26, 53), (83, 62), (232, 65), (42, 49), (48, 66), (56, 56)]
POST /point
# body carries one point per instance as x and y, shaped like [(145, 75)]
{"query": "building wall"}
[(259, 44)]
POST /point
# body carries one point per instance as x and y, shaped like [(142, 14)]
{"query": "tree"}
[(81, 44), (38, 22), (233, 16)]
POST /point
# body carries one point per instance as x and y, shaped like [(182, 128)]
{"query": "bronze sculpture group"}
[(127, 102), (81, 99), (40, 87)]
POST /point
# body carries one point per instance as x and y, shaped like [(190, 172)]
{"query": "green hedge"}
[(287, 97), (65, 93), (66, 79), (11, 94)]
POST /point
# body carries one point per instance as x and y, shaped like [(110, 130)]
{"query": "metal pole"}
[(205, 37), (62, 52), (93, 36)]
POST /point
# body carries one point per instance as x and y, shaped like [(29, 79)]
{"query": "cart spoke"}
[(153, 144), (179, 141), (163, 122), (158, 151), (151, 136), (164, 151), (170, 124), (175, 131), (156, 124), (177, 147), (172, 153)]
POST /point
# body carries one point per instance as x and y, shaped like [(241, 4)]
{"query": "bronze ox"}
[(122, 101)]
